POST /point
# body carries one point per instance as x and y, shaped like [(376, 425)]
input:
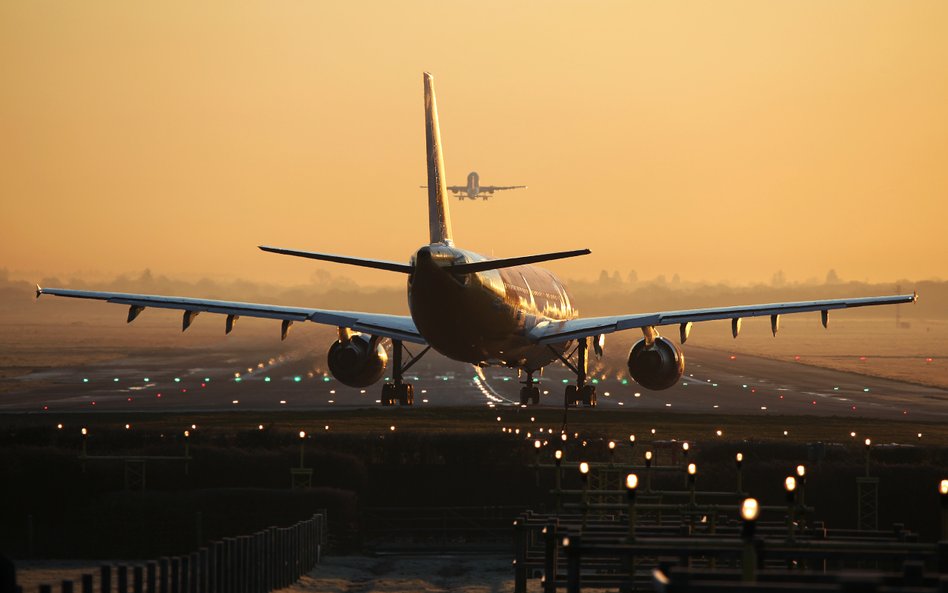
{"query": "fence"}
[(270, 559)]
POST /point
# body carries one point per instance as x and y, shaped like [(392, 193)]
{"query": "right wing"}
[(397, 327)]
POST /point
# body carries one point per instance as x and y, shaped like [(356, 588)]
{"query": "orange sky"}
[(720, 141)]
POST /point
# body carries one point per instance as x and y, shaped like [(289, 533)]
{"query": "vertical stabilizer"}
[(439, 217)]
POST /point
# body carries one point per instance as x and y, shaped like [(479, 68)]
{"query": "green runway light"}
[(147, 380), (506, 378), (836, 389), (714, 385), (297, 379), (115, 379), (266, 379), (625, 381), (866, 390), (177, 379), (237, 379), (207, 380), (444, 378), (595, 381), (85, 380), (327, 379)]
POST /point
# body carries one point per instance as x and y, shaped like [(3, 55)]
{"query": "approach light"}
[(498, 419), (868, 443), (653, 432), (128, 427), (558, 455), (85, 431), (260, 427), (584, 468), (719, 432), (537, 444), (852, 434), (790, 484), (392, 428), (59, 426), (692, 469), (648, 459), (563, 437), (302, 434), (631, 482), (517, 431), (685, 446), (739, 458), (943, 487), (612, 445), (919, 435), (750, 509), (632, 439), (187, 434), (801, 471)]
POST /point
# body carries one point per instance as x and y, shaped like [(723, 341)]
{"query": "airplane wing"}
[(493, 188), (399, 327), (454, 189), (559, 331)]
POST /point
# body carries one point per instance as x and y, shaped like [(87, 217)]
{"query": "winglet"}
[(914, 296), (39, 290), (439, 217)]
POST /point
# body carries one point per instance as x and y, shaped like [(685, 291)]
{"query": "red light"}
[(184, 391), (129, 399), (814, 402), (796, 358), (854, 408), (862, 358), (203, 384), (754, 390), (733, 357), (45, 407), (929, 359), (159, 395), (93, 403), (781, 397)]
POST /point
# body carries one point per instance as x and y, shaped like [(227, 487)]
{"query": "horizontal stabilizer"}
[(342, 259), (494, 264)]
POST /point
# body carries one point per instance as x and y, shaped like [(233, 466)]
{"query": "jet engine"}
[(358, 361), (658, 366)]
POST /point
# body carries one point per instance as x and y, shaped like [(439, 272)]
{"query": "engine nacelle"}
[(359, 362), (658, 366)]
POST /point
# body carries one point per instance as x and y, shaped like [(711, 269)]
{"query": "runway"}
[(714, 383)]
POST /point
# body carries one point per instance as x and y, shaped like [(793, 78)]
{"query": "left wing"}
[(398, 327), (492, 188), (549, 332)]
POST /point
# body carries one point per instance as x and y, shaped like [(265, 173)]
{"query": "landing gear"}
[(399, 392), (529, 393), (581, 393)]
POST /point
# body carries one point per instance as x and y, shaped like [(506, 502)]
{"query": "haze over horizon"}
[(719, 142)]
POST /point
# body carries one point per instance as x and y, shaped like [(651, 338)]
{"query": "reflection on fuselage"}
[(483, 318)]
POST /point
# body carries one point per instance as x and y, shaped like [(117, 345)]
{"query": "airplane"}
[(502, 312), (474, 189)]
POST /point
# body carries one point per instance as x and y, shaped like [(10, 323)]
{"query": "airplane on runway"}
[(503, 312), (474, 189)]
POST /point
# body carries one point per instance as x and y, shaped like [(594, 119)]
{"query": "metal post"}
[(66, 587), (122, 579), (163, 575), (138, 579), (175, 575), (105, 579), (151, 577), (520, 557), (86, 581)]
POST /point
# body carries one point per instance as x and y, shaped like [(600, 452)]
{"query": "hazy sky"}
[(719, 141)]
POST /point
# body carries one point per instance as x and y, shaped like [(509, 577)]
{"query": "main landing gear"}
[(581, 393), (529, 393), (399, 392)]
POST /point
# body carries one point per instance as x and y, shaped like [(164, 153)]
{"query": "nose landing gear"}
[(399, 392)]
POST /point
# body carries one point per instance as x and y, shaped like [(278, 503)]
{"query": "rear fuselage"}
[(473, 184), (483, 318)]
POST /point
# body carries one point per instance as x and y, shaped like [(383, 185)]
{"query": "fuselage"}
[(473, 184), (483, 318)]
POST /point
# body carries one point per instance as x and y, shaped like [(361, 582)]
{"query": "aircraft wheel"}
[(535, 396), (524, 395), (571, 393), (406, 394), (388, 394), (589, 395)]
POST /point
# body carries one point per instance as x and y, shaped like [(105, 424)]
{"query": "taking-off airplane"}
[(474, 189), (503, 312)]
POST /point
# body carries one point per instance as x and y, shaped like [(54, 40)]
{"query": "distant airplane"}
[(502, 312), (474, 189)]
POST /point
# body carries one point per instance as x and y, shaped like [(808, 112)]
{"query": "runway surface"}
[(714, 383)]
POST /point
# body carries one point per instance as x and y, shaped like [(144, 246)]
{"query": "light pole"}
[(868, 443), (187, 439), (631, 485), (943, 490), (801, 480), (648, 471), (739, 462), (584, 472), (302, 443), (612, 451), (85, 453), (749, 512), (558, 458), (692, 477), (790, 485)]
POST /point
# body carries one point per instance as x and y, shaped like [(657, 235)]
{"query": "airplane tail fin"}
[(439, 216)]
